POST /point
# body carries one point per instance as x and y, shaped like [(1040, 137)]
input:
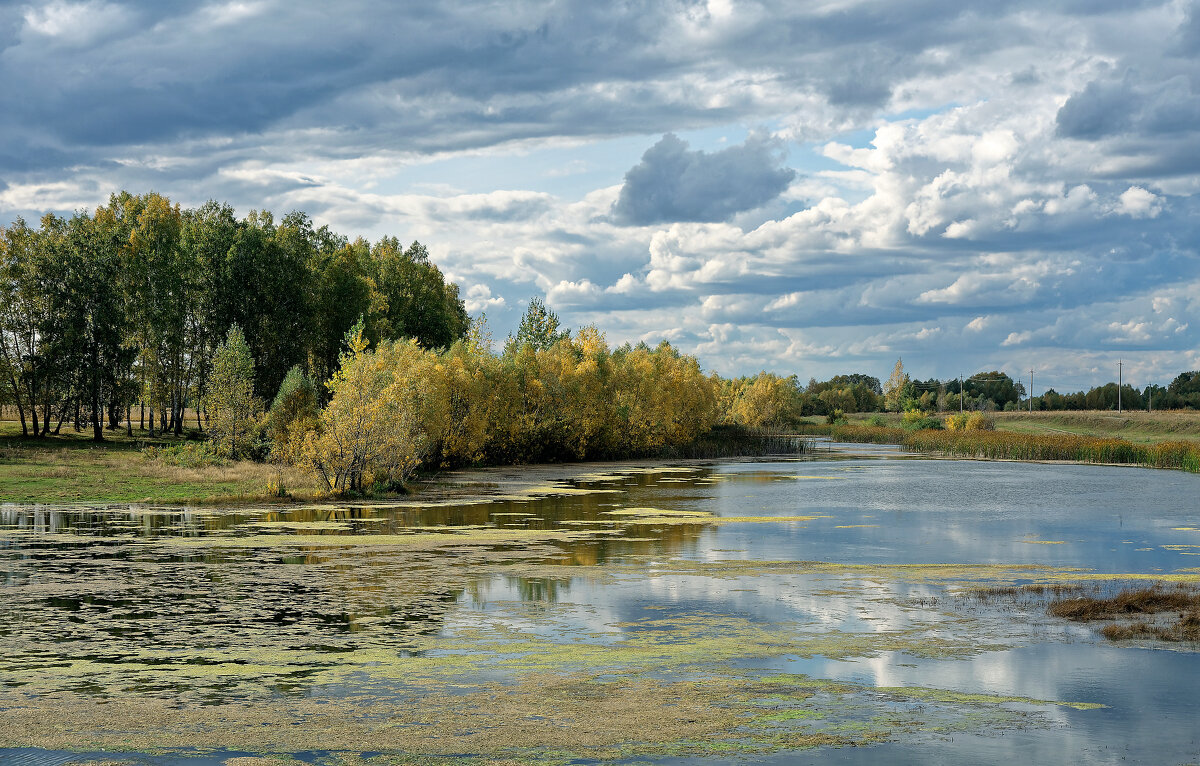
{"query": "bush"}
[(877, 421), (187, 455), (970, 421), (917, 420)]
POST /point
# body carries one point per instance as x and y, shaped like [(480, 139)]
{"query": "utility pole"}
[(1030, 389), (1119, 384), (1150, 405)]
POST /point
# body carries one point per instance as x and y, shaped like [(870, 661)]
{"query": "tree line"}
[(359, 362), (398, 405), (126, 306)]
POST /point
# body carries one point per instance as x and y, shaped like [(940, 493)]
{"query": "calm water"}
[(112, 604)]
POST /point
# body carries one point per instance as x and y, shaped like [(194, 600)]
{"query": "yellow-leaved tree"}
[(387, 410), (767, 401)]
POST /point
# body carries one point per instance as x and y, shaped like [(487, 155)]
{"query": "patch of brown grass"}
[(1150, 600), (1180, 600)]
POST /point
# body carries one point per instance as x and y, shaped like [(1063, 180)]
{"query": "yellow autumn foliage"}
[(400, 406)]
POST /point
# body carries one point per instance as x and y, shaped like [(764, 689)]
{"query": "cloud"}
[(1023, 169), (672, 183), (1136, 202)]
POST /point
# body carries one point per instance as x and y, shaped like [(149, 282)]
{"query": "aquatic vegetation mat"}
[(483, 626)]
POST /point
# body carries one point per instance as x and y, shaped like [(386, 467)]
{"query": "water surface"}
[(809, 605)]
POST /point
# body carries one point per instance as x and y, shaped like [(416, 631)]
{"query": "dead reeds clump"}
[(1179, 605)]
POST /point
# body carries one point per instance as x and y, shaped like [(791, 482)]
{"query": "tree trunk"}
[(129, 420), (33, 411), (97, 414), (151, 420)]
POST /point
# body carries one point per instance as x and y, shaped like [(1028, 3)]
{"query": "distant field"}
[(70, 468), (1138, 427)]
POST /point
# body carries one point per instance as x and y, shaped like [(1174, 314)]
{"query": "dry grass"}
[(1180, 606)]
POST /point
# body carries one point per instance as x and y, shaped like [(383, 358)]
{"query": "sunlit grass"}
[(70, 468), (1011, 445)]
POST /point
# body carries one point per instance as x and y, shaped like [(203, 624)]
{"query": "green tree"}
[(233, 409), (293, 412), (88, 339), (24, 297), (415, 299), (539, 329)]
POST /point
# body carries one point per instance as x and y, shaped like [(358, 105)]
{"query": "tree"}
[(233, 409), (539, 329), (388, 409), (767, 401), (417, 301), (23, 302), (293, 413), (87, 331), (895, 389)]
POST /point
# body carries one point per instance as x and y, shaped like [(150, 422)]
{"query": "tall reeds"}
[(1007, 445)]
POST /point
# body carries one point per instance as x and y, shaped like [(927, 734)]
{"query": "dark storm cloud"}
[(432, 77), (1099, 110), (1103, 109), (672, 183)]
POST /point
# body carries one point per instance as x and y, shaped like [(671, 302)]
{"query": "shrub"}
[(186, 455), (917, 420), (977, 421), (970, 421)]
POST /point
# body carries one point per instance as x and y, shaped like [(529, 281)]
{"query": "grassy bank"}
[(70, 468), (1137, 427), (1015, 445)]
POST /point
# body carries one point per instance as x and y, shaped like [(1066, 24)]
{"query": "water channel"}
[(857, 606)]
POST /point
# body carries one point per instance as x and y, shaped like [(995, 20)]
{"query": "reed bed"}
[(739, 441), (1007, 445)]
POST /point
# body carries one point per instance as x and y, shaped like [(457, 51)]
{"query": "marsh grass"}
[(739, 441), (1179, 607), (1009, 445)]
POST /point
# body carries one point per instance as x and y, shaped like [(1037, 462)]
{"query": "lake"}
[(856, 606)]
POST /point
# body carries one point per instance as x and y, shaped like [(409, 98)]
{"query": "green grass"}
[(1138, 427), (71, 468)]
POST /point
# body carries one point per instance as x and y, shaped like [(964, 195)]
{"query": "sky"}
[(808, 188)]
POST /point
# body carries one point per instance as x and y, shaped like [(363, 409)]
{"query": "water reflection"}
[(105, 601)]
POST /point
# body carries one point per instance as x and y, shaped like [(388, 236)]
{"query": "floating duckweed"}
[(652, 512), (300, 525)]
